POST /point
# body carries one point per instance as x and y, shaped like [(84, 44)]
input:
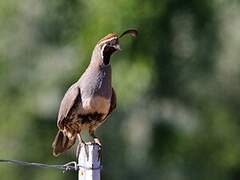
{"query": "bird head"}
[(110, 44)]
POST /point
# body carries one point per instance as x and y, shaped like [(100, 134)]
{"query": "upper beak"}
[(117, 47)]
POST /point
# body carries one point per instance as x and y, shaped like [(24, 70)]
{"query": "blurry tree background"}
[(178, 85)]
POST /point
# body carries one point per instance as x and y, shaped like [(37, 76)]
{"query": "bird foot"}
[(96, 141)]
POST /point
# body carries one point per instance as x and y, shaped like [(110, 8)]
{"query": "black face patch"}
[(107, 49), (107, 52)]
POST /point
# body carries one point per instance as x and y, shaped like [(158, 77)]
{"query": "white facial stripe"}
[(107, 40), (104, 44), (103, 50)]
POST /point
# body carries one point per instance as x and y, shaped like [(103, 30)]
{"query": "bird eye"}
[(109, 43)]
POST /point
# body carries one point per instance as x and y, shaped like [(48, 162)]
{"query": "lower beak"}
[(117, 47)]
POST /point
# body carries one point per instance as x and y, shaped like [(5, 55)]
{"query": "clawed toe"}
[(97, 141)]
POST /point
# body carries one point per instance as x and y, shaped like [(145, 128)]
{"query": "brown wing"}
[(113, 104), (67, 103)]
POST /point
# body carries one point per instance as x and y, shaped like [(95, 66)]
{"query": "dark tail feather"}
[(62, 143)]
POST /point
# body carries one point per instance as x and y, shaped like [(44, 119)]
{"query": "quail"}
[(90, 100)]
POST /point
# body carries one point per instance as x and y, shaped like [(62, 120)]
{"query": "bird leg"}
[(96, 141), (80, 145)]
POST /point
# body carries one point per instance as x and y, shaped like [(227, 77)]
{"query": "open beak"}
[(117, 47)]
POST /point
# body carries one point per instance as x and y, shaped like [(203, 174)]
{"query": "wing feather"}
[(68, 101), (113, 104)]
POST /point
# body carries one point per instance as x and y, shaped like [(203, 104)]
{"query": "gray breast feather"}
[(96, 82)]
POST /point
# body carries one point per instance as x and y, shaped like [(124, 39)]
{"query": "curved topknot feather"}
[(109, 36)]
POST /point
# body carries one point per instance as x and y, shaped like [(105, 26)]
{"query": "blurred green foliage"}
[(178, 85)]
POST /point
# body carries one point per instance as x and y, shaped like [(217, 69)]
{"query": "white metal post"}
[(89, 162)]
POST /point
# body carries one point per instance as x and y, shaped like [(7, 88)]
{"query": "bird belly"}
[(97, 104), (93, 111), (89, 114)]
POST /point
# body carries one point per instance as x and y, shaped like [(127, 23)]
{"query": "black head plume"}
[(132, 32)]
